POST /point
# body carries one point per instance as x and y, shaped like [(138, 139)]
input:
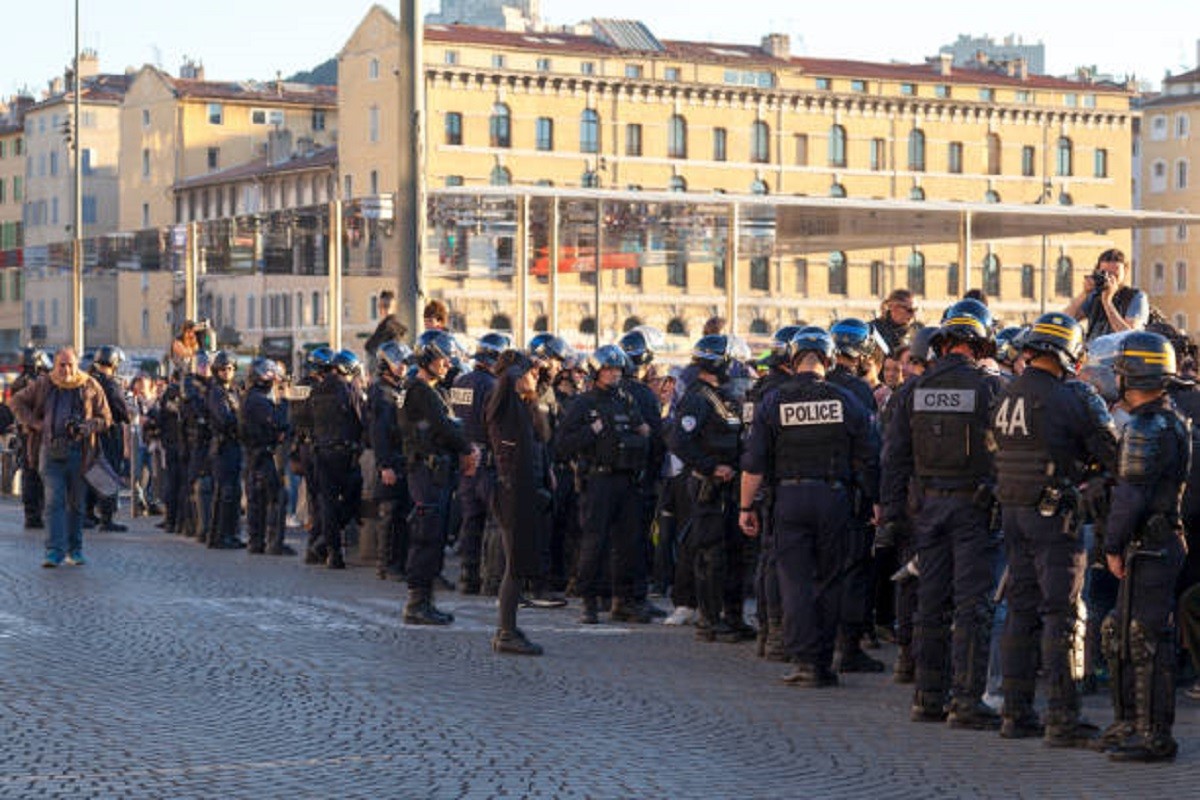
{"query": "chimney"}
[(1023, 68), (777, 45), (89, 64), (981, 58), (56, 86), (279, 146), (945, 63), (191, 69)]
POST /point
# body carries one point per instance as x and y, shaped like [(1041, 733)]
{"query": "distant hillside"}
[(324, 74)]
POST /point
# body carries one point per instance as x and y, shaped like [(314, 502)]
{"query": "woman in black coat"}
[(522, 497)]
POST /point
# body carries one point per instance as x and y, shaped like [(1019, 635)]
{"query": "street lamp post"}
[(77, 335), (410, 199)]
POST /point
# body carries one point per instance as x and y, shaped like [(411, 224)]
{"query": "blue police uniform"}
[(226, 459), (468, 399)]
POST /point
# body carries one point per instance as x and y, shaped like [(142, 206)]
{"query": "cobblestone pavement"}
[(164, 670)]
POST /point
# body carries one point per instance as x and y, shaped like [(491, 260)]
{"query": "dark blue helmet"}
[(320, 358), (967, 321), (856, 339), (265, 371), (1008, 344), (920, 349), (393, 355), (811, 339), (35, 359), (972, 307), (641, 344), (1145, 361), (608, 356), (345, 362), (108, 355), (547, 346), (490, 346), (224, 359), (779, 344), (435, 344), (1056, 334), (712, 353)]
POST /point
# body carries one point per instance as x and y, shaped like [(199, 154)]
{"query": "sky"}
[(240, 39)]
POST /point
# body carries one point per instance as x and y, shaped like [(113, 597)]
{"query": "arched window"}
[(677, 327), (500, 126), (587, 325), (631, 323), (916, 272), (837, 146), (916, 150), (1064, 277), (991, 275), (837, 190), (590, 180), (678, 183), (500, 322), (759, 186), (677, 137), (541, 324), (501, 176), (760, 143), (1065, 199), (837, 272), (1064, 157), (916, 193), (991, 196), (760, 327), (589, 131)]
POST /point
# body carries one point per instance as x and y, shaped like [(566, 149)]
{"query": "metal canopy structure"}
[(804, 225)]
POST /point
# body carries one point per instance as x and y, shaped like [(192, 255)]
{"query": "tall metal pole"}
[(77, 334), (410, 198), (521, 272), (335, 274), (596, 258)]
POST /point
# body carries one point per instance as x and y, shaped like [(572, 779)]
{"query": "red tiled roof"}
[(1193, 75), (104, 88), (751, 56), (259, 168), (288, 93)]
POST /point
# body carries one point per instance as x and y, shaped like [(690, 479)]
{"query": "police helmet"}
[(967, 321), (641, 344), (779, 344), (1008, 344), (223, 359), (608, 356), (393, 355), (319, 358), (811, 339), (1145, 361), (434, 344), (547, 346), (856, 339), (712, 353), (203, 363), (1058, 335), (35, 359), (345, 362), (920, 349), (108, 355), (264, 371), (490, 346), (975, 308)]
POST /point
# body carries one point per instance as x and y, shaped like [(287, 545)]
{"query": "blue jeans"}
[(65, 494)]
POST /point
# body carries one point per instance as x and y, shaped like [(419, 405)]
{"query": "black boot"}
[(627, 610), (1120, 686), (905, 670), (928, 707), (590, 615), (811, 676), (421, 611), (1154, 699), (774, 649), (515, 642)]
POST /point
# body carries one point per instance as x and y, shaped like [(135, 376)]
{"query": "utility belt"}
[(332, 448), (440, 466), (710, 489), (832, 483), (605, 469)]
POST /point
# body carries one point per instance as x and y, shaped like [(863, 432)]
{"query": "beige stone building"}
[(12, 238), (1169, 147), (175, 129), (614, 107)]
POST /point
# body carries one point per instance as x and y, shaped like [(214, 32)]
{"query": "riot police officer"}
[(468, 399), (112, 441), (433, 439), (385, 400), (168, 421), (604, 432), (704, 435), (858, 346), (814, 442), (262, 428), (225, 453), (198, 488), (337, 410), (939, 437), (35, 362), (1047, 428), (1144, 549), (318, 365)]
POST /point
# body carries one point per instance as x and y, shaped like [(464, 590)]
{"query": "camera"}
[(75, 428), (1100, 280)]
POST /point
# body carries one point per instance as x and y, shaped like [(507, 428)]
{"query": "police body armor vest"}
[(619, 447), (465, 397), (813, 440), (1141, 455), (723, 429), (195, 415), (1024, 464), (256, 436), (332, 415), (417, 432), (949, 426)]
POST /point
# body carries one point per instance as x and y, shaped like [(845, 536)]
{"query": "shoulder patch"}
[(688, 423), (813, 412)]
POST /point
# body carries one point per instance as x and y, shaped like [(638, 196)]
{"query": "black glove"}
[(889, 533)]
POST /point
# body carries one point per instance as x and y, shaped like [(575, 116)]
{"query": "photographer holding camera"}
[(1108, 305), (63, 411)]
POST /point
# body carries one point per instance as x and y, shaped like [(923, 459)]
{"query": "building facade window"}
[(1182, 125), (1181, 174), (1027, 281), (500, 126), (837, 146), (991, 275), (1064, 277), (633, 139), (878, 155), (916, 193), (800, 148), (373, 70), (760, 273), (994, 154), (760, 143), (373, 124), (1064, 157), (720, 144), (837, 190), (837, 273), (590, 180), (1158, 176), (216, 114), (677, 137), (877, 279), (916, 272), (499, 61), (454, 128), (1100, 163), (1181, 277), (678, 183), (545, 134), (916, 151), (589, 132), (759, 187), (954, 158), (500, 176), (801, 276), (543, 65)]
